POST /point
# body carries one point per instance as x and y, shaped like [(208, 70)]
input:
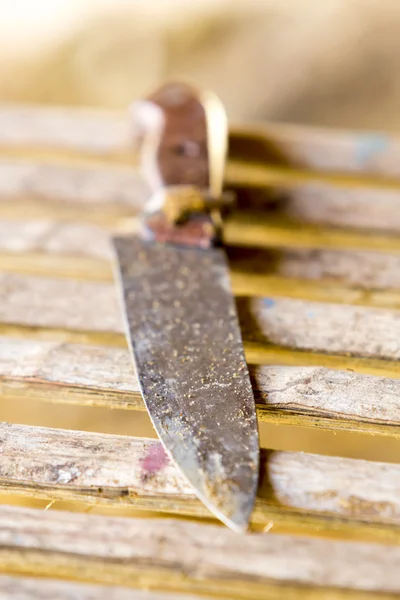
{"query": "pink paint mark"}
[(154, 461)]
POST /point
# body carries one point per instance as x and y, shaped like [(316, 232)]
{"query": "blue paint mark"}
[(370, 145), (310, 314), (269, 302)]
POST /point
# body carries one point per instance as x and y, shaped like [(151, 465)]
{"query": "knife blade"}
[(180, 314)]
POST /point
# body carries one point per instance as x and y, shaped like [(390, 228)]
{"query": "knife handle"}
[(170, 128), (182, 136)]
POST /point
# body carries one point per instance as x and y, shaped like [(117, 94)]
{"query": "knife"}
[(180, 315)]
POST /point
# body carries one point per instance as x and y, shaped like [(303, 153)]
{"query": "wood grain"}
[(332, 328), (121, 187), (32, 588), (320, 203), (309, 188), (57, 128), (244, 282), (319, 327), (83, 251), (103, 376), (106, 134), (84, 241), (316, 292), (260, 231), (68, 190), (190, 557), (323, 149), (335, 496)]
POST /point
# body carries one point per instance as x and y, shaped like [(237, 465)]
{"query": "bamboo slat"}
[(121, 188), (58, 128), (319, 307), (106, 134), (83, 242), (320, 203), (309, 194), (190, 557), (306, 325), (103, 376), (69, 190), (83, 251), (32, 588), (335, 496), (326, 150)]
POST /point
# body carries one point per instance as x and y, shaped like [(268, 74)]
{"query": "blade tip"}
[(237, 526), (239, 521)]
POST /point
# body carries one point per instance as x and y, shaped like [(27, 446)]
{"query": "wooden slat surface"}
[(302, 492), (320, 297), (32, 588), (82, 241), (307, 325), (103, 376), (52, 128), (192, 557), (107, 134), (72, 189), (83, 251), (32, 180), (331, 150), (120, 187), (342, 207)]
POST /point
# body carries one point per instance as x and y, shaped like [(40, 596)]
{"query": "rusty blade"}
[(184, 335)]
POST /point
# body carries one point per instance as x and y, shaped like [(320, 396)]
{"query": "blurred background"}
[(319, 62), (330, 62)]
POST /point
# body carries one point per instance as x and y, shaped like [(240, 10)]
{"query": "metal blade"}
[(186, 343)]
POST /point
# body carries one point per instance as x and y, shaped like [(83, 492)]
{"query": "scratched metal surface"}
[(187, 347)]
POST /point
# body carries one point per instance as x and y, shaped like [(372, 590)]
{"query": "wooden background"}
[(315, 257)]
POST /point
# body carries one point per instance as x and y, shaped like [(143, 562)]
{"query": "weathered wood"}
[(335, 495), (80, 240), (190, 557), (307, 325), (338, 201), (121, 187), (244, 283), (361, 269), (364, 269), (103, 376), (322, 180), (32, 588), (324, 149), (63, 188), (52, 128), (104, 133), (320, 203), (260, 231), (83, 251), (322, 327)]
